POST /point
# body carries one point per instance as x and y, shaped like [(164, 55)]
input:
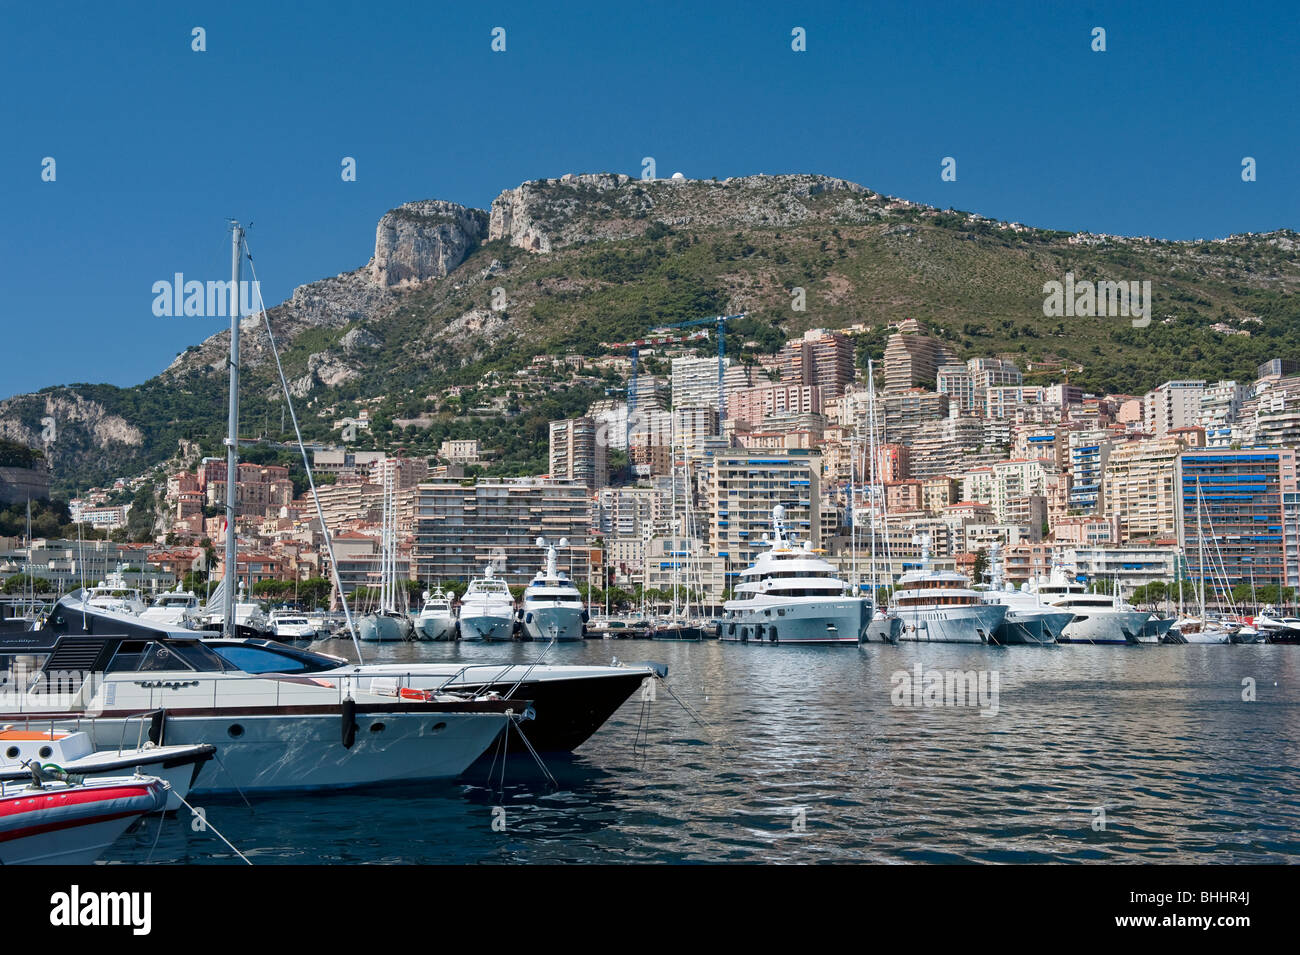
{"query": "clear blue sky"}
[(156, 145)]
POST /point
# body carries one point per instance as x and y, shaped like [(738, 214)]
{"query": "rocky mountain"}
[(560, 265)]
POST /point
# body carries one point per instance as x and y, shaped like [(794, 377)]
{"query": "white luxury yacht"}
[(553, 607), (437, 621), (113, 593), (487, 611), (939, 606), (791, 595), (176, 608), (1098, 618)]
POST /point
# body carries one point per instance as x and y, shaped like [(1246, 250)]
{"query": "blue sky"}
[(156, 145)]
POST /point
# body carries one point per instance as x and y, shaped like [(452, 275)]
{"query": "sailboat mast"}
[(232, 431)]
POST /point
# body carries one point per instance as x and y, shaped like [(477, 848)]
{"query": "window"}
[(252, 659)]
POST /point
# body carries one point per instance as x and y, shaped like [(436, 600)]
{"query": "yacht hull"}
[(489, 627), (564, 623), (887, 629), (843, 621), (270, 751), (437, 628), (951, 624), (1032, 627), (380, 628), (1109, 627)]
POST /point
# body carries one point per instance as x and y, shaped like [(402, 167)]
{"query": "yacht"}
[(174, 608), (273, 727), (939, 606), (553, 608), (113, 593), (1029, 621), (571, 702), (792, 595), (291, 625), (487, 611), (1098, 618), (437, 621), (1277, 628)]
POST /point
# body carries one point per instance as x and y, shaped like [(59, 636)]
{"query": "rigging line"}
[(162, 815), (206, 824), (234, 782), (523, 736), (717, 741), (532, 666), (311, 481)]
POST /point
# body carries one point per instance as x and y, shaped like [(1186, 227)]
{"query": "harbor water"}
[(824, 754)]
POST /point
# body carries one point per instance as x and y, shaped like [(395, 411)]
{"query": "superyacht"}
[(791, 595)]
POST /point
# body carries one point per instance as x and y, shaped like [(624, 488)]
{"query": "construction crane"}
[(635, 347), (720, 321)]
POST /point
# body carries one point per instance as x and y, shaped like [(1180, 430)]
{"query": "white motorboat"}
[(114, 593), (1098, 618), (175, 608), (291, 625), (72, 752), (437, 620), (792, 595), (487, 611), (250, 618), (553, 608)]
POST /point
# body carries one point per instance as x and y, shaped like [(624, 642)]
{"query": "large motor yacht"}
[(553, 608), (487, 611), (939, 606), (792, 595)]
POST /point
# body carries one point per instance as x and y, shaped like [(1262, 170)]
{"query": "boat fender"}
[(528, 617), (157, 726), (585, 616), (349, 722)]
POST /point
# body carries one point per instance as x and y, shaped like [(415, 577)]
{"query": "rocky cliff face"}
[(420, 241), (548, 214)]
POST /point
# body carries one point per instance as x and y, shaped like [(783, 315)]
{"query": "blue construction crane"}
[(721, 322)]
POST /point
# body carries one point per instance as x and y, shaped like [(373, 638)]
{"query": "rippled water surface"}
[(1137, 754)]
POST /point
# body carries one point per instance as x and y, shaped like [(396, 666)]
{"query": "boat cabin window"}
[(255, 659), (140, 656)]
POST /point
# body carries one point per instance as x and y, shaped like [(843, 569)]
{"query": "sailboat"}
[(387, 623), (886, 625), (1192, 629)]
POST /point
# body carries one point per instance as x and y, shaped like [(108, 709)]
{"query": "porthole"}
[(235, 731), (12, 752), (45, 752), (377, 727), (439, 727)]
